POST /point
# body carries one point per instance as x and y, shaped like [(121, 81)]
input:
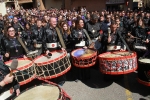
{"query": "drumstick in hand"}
[(109, 32), (13, 66)]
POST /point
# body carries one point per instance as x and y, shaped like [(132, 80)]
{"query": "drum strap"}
[(60, 38), (23, 45), (87, 35), (122, 39)]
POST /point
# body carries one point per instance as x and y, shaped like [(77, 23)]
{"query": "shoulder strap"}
[(87, 35), (60, 38), (122, 39), (22, 44)]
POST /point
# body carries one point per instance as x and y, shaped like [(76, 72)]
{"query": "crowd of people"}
[(25, 30)]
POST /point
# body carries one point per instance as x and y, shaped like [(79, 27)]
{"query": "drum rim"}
[(50, 60), (94, 54), (143, 62), (23, 67), (143, 82), (116, 58), (45, 84)]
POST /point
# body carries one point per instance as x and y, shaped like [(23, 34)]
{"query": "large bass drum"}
[(57, 65), (144, 71), (118, 62)]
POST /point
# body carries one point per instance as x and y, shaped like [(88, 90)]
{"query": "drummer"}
[(80, 40), (6, 81), (37, 37), (11, 46), (53, 41), (112, 41)]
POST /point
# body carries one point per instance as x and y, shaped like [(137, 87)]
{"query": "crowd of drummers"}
[(27, 30)]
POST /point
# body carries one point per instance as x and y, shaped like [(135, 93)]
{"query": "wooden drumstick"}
[(109, 32)]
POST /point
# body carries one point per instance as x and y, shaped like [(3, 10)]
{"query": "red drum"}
[(83, 58), (57, 65), (26, 71), (119, 62)]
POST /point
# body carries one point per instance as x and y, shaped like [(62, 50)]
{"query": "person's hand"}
[(17, 92), (47, 52), (85, 47), (7, 55), (122, 50), (109, 39), (24, 56), (147, 40), (8, 79), (62, 49), (35, 45)]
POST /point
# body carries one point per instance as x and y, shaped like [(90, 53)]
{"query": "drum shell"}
[(144, 73), (84, 62), (26, 73), (53, 68), (118, 65)]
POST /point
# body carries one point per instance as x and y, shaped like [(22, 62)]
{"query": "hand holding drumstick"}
[(109, 36)]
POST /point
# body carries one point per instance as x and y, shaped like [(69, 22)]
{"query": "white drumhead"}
[(40, 93), (116, 54), (44, 58), (145, 60), (5, 95), (21, 63)]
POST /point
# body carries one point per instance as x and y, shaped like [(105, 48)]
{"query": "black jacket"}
[(92, 29), (4, 70), (75, 35), (13, 47)]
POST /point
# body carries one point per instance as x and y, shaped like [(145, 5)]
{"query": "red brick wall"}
[(90, 4)]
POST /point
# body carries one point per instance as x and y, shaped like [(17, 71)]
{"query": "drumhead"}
[(83, 53), (144, 60), (22, 62), (41, 92), (116, 54), (43, 58)]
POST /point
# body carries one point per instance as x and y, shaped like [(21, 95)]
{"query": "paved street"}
[(97, 89)]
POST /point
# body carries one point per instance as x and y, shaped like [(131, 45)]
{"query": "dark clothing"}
[(4, 70), (146, 21), (128, 23), (115, 40), (75, 37), (93, 29), (68, 41), (51, 36), (103, 26), (17, 27), (33, 27), (13, 47), (38, 35), (143, 35), (27, 38), (1, 25)]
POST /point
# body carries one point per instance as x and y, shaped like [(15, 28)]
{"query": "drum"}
[(119, 62), (144, 71), (25, 71), (57, 65), (43, 92), (84, 58)]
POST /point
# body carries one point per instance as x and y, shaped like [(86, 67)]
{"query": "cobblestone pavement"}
[(96, 88)]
